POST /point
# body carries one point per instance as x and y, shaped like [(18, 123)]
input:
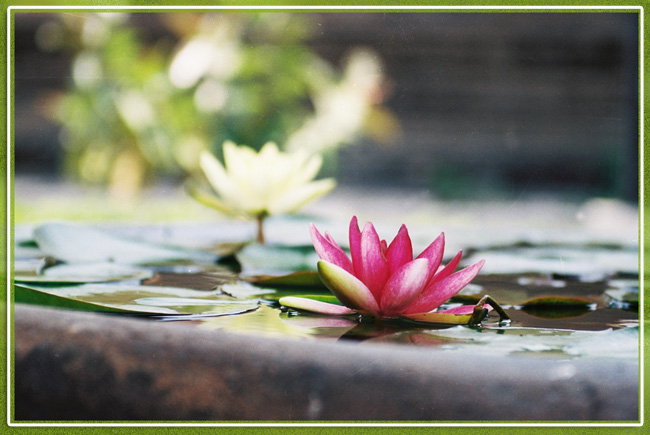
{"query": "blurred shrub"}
[(135, 110)]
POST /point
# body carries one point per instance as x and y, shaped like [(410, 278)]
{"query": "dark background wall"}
[(488, 102)]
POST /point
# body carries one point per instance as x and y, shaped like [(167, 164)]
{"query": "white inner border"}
[(9, 225)]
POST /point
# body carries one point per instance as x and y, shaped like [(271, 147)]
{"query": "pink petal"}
[(400, 250), (440, 291), (444, 272), (404, 286), (434, 253), (335, 245), (329, 237), (355, 245), (374, 268), (329, 251), (314, 306), (347, 288)]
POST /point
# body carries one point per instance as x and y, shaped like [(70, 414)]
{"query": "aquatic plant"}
[(384, 280), (258, 184)]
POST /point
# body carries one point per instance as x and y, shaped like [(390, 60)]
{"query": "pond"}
[(565, 300)]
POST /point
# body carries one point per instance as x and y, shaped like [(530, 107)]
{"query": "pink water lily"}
[(384, 280)]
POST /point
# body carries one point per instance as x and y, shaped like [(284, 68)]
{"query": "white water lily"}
[(257, 184)]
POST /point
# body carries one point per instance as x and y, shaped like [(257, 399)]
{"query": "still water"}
[(603, 324)]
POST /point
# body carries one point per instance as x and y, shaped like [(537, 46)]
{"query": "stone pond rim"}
[(88, 366)]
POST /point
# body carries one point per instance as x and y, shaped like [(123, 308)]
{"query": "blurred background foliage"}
[(491, 106), (136, 109)]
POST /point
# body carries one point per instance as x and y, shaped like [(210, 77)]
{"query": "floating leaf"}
[(305, 279), (243, 290), (465, 299), (81, 244), (554, 302), (81, 273), (557, 307), (516, 340), (560, 312), (276, 259), (134, 299), (620, 343)]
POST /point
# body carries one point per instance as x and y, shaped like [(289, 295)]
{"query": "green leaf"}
[(243, 290), (304, 279), (554, 302), (81, 244), (81, 273), (134, 299), (557, 307), (275, 259)]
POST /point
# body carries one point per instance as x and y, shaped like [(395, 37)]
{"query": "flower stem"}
[(260, 228), (479, 314)]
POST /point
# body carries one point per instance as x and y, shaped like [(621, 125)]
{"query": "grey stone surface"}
[(84, 366)]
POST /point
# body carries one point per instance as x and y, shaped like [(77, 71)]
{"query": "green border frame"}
[(529, 6)]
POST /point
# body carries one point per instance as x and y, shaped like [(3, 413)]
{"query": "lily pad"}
[(277, 259), (81, 273), (553, 302), (244, 290), (82, 244), (304, 279), (515, 340), (619, 343), (557, 307), (133, 299)]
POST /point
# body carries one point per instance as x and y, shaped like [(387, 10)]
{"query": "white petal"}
[(217, 176), (295, 198)]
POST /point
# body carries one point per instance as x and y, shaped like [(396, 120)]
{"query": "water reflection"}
[(551, 331)]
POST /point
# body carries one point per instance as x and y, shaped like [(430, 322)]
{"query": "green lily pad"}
[(557, 307), (277, 259), (304, 279), (554, 302), (82, 244), (81, 273), (243, 290), (133, 299)]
